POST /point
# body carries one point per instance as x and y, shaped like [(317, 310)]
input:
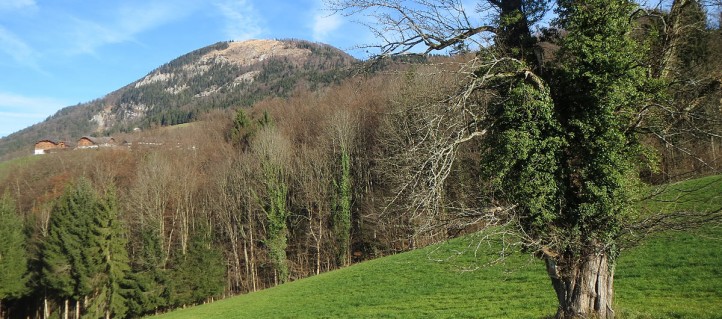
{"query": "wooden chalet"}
[(47, 145), (95, 142)]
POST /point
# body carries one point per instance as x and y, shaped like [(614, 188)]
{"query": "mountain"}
[(223, 75)]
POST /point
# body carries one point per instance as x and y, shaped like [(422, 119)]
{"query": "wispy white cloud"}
[(11, 101), (20, 52), (12, 5), (129, 20), (243, 22), (346, 33), (18, 111), (86, 36), (325, 23), (23, 115), (134, 19)]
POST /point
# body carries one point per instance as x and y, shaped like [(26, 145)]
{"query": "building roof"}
[(51, 140), (99, 140)]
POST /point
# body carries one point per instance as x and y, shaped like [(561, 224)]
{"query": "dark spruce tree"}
[(66, 257), (109, 244), (199, 274), (13, 256), (84, 258), (148, 282)]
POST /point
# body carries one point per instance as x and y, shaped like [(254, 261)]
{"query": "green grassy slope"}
[(8, 166), (409, 285), (672, 275)]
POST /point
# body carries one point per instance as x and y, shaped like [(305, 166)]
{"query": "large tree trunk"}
[(246, 283), (46, 309), (674, 33), (251, 242), (318, 245), (515, 36), (77, 307), (584, 286)]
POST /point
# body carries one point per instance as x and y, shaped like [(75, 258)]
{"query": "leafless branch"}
[(405, 26), (431, 131)]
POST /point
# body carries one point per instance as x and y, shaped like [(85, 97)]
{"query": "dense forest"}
[(273, 189)]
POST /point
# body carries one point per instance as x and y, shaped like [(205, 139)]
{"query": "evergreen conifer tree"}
[(13, 256), (84, 253), (68, 260), (147, 282), (191, 286), (109, 242)]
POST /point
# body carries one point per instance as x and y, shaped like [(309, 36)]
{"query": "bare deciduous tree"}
[(561, 146)]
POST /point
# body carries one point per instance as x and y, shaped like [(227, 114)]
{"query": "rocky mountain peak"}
[(254, 51), (222, 75)]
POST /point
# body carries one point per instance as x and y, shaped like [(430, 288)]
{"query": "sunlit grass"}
[(702, 194), (409, 285), (7, 167)]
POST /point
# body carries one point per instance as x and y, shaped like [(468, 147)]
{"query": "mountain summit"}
[(225, 74)]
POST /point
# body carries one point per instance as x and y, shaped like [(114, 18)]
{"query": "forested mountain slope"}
[(226, 74)]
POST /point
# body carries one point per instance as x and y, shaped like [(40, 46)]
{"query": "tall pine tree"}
[(109, 242), (13, 257), (191, 286), (149, 279), (84, 253), (67, 259)]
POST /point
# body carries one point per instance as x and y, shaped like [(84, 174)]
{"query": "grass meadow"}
[(6, 167)]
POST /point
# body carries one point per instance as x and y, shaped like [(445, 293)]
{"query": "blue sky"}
[(56, 53)]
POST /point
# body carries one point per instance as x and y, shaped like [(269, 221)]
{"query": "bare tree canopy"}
[(420, 25)]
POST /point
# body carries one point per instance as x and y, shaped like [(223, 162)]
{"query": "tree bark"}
[(584, 286), (318, 246), (670, 55), (252, 243), (46, 310), (247, 285), (515, 36)]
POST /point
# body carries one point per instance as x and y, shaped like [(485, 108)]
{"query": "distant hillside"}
[(222, 75)]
